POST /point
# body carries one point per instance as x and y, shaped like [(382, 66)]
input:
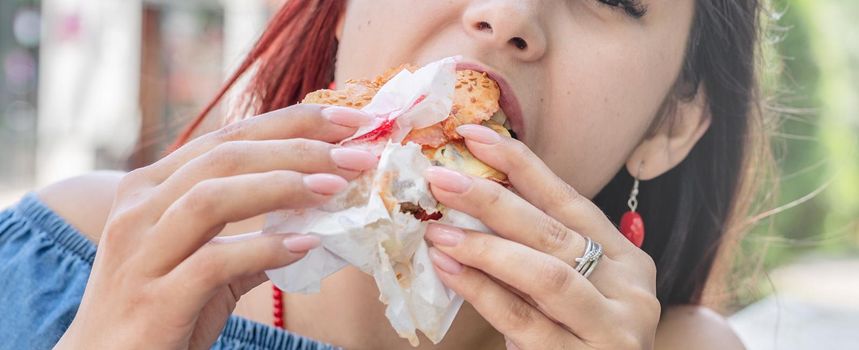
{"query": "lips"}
[(508, 102)]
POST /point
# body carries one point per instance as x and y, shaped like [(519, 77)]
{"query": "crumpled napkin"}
[(356, 227)]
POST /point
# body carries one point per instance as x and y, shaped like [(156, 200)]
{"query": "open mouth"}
[(509, 113), (501, 118)]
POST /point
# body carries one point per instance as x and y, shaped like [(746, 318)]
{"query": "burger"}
[(475, 101), (377, 224)]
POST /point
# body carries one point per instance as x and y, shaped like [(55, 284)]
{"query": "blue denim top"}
[(44, 266)]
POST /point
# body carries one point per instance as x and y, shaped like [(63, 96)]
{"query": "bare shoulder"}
[(698, 327), (83, 201)]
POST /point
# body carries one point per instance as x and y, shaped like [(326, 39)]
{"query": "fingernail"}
[(444, 235), (479, 133), (444, 262), (347, 116), (447, 179), (325, 183), (353, 159), (301, 243)]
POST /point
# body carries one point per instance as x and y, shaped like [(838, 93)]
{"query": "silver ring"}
[(588, 262)]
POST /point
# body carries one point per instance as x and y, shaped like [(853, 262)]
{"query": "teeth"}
[(499, 117)]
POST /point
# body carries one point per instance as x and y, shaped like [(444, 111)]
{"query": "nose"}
[(512, 26)]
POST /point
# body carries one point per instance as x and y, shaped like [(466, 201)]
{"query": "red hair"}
[(294, 56)]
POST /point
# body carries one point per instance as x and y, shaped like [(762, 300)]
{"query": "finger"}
[(243, 285), (505, 213), (244, 157), (513, 218), (554, 196), (203, 211), (555, 286), (324, 123), (504, 310), (223, 263)]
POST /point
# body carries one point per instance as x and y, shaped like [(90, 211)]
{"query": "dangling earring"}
[(631, 224)]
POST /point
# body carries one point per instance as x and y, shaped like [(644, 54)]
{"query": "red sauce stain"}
[(384, 130)]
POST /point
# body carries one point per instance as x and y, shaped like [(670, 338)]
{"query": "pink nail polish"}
[(325, 184), (301, 243), (444, 235), (447, 179), (347, 116), (479, 133), (444, 261), (353, 159)]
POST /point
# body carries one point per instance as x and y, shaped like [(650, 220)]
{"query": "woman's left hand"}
[(523, 281)]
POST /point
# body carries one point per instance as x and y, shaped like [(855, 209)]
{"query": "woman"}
[(610, 91)]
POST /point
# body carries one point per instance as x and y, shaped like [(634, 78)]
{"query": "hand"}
[(523, 280), (160, 280)]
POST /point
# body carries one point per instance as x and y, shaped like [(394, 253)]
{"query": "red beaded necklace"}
[(277, 295)]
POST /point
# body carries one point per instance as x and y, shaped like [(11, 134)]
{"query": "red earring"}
[(631, 224)]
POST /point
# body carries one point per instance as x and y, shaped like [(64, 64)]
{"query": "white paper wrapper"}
[(357, 228)]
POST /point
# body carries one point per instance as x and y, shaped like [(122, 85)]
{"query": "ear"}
[(672, 140)]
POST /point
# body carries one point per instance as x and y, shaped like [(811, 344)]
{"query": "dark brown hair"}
[(692, 210), (284, 66), (687, 211)]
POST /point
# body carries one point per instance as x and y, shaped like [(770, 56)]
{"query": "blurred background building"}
[(106, 84)]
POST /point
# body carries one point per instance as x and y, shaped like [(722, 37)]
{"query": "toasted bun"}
[(475, 101), (355, 93)]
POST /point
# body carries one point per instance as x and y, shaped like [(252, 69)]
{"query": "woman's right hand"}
[(161, 279)]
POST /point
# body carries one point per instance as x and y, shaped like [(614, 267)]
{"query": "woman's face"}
[(590, 79)]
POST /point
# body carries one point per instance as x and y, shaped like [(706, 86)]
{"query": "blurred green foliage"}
[(811, 68)]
